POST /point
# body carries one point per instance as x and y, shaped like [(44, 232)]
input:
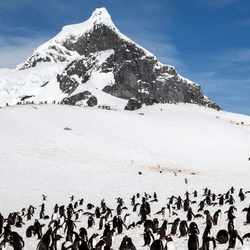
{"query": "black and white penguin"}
[(170, 245), (91, 222), (222, 236), (127, 219), (234, 240), (217, 217), (92, 240), (101, 222), (174, 226), (157, 245), (16, 241), (147, 235), (183, 228), (209, 243)]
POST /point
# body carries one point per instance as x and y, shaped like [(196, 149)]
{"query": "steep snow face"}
[(16, 84)]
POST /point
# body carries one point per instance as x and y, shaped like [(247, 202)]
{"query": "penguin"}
[(190, 214), (183, 228), (120, 225), (30, 231), (179, 203), (217, 217), (45, 241), (174, 226), (132, 200), (209, 219), (246, 236), (135, 207), (157, 245), (167, 212), (127, 219), (130, 244), (201, 206), (209, 243), (248, 214), (56, 244), (163, 229), (101, 222), (147, 235), (193, 228), (92, 241), (155, 225), (234, 240), (170, 245), (83, 233), (97, 213), (242, 195), (16, 241), (119, 209), (115, 222), (222, 236), (90, 206), (193, 241), (91, 222)]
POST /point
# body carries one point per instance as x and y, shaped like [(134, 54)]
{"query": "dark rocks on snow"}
[(92, 101)]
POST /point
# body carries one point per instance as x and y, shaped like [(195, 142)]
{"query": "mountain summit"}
[(104, 67)]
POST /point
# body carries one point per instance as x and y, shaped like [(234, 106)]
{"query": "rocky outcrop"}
[(137, 75)]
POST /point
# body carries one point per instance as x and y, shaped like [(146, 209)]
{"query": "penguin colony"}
[(192, 221)]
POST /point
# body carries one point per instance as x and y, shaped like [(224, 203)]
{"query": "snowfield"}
[(95, 154)]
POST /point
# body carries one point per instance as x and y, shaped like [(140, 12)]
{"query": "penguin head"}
[(193, 228)]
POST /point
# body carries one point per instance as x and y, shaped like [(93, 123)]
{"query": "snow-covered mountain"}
[(92, 63)]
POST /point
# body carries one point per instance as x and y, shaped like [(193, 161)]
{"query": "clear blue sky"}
[(208, 41)]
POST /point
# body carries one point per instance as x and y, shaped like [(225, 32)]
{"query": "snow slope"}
[(96, 154)]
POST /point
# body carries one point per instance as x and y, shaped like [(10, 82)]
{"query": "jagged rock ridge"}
[(97, 46)]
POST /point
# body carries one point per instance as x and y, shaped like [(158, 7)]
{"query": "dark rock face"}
[(92, 101), (73, 100), (133, 105)]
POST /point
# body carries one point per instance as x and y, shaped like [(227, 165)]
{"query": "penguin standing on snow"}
[(234, 240), (217, 217), (170, 245), (174, 226)]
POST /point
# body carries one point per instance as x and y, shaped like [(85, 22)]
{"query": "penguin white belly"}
[(166, 214), (127, 221), (171, 245)]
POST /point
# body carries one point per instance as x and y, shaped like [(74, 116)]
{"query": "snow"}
[(100, 157), (14, 84)]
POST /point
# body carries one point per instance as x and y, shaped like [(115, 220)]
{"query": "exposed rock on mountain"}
[(102, 59)]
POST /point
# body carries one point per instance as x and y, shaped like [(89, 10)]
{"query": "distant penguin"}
[(193, 241), (147, 235), (217, 217), (167, 212), (174, 226), (157, 245), (234, 240), (101, 222), (163, 229), (170, 245), (16, 241), (97, 213), (127, 219), (91, 222), (92, 241), (222, 236), (209, 243), (242, 195), (183, 228)]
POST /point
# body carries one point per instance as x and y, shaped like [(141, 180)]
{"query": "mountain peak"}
[(99, 17)]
